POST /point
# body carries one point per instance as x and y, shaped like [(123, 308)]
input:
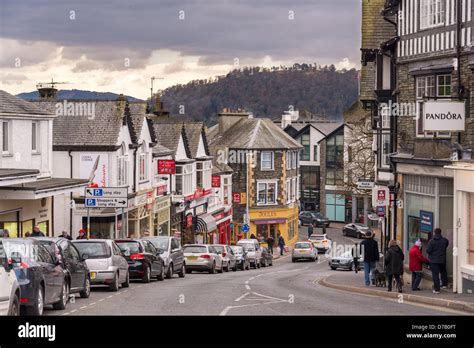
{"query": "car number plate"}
[(93, 274), (192, 257)]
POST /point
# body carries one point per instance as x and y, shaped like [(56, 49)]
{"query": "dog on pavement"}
[(380, 279)]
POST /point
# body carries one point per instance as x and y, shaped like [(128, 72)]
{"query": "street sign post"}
[(106, 202), (107, 192), (245, 228)]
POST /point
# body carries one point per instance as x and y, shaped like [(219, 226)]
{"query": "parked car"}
[(321, 242), (345, 261), (9, 287), (313, 218), (304, 251), (106, 262), (355, 230), (144, 261), (254, 251), (42, 279), (267, 258), (201, 257), (228, 258), (171, 253), (66, 254), (242, 259)]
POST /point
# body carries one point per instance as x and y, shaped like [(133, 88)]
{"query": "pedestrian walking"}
[(82, 234), (310, 230), (416, 260), (37, 232), (6, 234), (64, 234), (281, 243), (270, 242), (370, 250), (437, 256), (394, 265)]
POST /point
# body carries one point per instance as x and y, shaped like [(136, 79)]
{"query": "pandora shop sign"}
[(444, 116)]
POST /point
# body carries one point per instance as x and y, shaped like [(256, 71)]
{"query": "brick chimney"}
[(228, 117)]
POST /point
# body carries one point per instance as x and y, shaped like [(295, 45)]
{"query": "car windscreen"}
[(133, 247), (27, 251), (317, 215), (219, 249), (361, 226), (248, 247), (160, 243), (237, 249), (95, 250), (302, 246), (195, 249)]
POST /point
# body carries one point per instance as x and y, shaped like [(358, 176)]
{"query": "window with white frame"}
[(122, 167), (289, 158), (35, 133), (385, 160), (266, 160), (227, 190), (294, 161), (267, 192), (204, 174), (288, 191), (184, 179), (293, 191), (6, 132), (432, 13), (430, 86), (385, 117), (298, 186), (142, 164)]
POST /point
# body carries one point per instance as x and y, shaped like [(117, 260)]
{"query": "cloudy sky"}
[(118, 45)]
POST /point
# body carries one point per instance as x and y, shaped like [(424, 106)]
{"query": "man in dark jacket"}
[(281, 243), (437, 255), (270, 242), (370, 250), (310, 230), (37, 232), (394, 264)]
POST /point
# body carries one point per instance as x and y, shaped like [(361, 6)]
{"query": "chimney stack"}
[(228, 117)]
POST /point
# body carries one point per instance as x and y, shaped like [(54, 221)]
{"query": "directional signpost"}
[(105, 197)]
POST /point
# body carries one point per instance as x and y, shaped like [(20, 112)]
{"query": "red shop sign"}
[(189, 220), (216, 181), (236, 197), (219, 216), (161, 190), (166, 167)]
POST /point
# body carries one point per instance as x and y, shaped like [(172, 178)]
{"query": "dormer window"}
[(204, 174), (6, 132)]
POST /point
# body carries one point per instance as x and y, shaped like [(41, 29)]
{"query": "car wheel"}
[(222, 268), (188, 271), (293, 260), (182, 271), (38, 309), (234, 269), (115, 283), (259, 263), (147, 276), (161, 275), (15, 309), (63, 297), (333, 268), (265, 263), (227, 267), (351, 266), (86, 292), (169, 273), (126, 284), (344, 232), (212, 270)]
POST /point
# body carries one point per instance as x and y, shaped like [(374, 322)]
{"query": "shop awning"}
[(269, 221), (43, 188), (205, 223)]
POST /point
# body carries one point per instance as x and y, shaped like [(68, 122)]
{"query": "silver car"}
[(243, 261), (171, 253), (304, 251), (202, 257), (228, 257), (106, 262), (345, 261)]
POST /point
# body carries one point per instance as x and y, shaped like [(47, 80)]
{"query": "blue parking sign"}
[(245, 228), (90, 202), (98, 192)]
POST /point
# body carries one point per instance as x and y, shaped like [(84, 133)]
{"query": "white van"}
[(253, 250), (9, 287)]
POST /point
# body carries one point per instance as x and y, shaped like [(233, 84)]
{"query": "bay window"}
[(289, 158), (204, 174), (184, 179), (267, 192), (227, 190), (6, 131)]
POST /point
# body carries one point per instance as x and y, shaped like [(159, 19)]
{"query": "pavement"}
[(286, 288)]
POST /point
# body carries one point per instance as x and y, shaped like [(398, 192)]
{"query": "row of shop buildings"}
[(417, 82)]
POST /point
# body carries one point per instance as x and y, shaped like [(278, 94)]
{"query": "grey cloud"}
[(217, 31)]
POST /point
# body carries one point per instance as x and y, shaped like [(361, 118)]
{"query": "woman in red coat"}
[(416, 265)]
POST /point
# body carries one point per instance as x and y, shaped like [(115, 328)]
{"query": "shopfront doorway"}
[(264, 231)]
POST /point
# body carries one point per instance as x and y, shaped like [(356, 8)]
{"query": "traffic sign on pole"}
[(106, 192), (106, 202), (245, 228)]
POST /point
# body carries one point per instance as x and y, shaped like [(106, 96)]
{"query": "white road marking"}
[(247, 287), (269, 297), (66, 313), (241, 297), (246, 282), (92, 304), (227, 309), (252, 278), (83, 307), (110, 296), (100, 300), (73, 311)]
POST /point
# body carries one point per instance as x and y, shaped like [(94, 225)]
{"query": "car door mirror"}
[(85, 257)]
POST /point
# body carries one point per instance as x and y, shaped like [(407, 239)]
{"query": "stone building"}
[(265, 165)]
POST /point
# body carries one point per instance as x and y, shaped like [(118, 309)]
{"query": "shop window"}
[(335, 207), (204, 174), (44, 227), (306, 142), (27, 226), (267, 193), (266, 160), (11, 227)]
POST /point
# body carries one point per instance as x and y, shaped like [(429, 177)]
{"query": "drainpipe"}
[(70, 195), (458, 57)]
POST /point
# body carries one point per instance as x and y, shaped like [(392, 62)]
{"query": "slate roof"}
[(194, 131), (160, 150), (168, 135), (100, 131), (47, 184), (13, 172), (255, 134), (10, 104)]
